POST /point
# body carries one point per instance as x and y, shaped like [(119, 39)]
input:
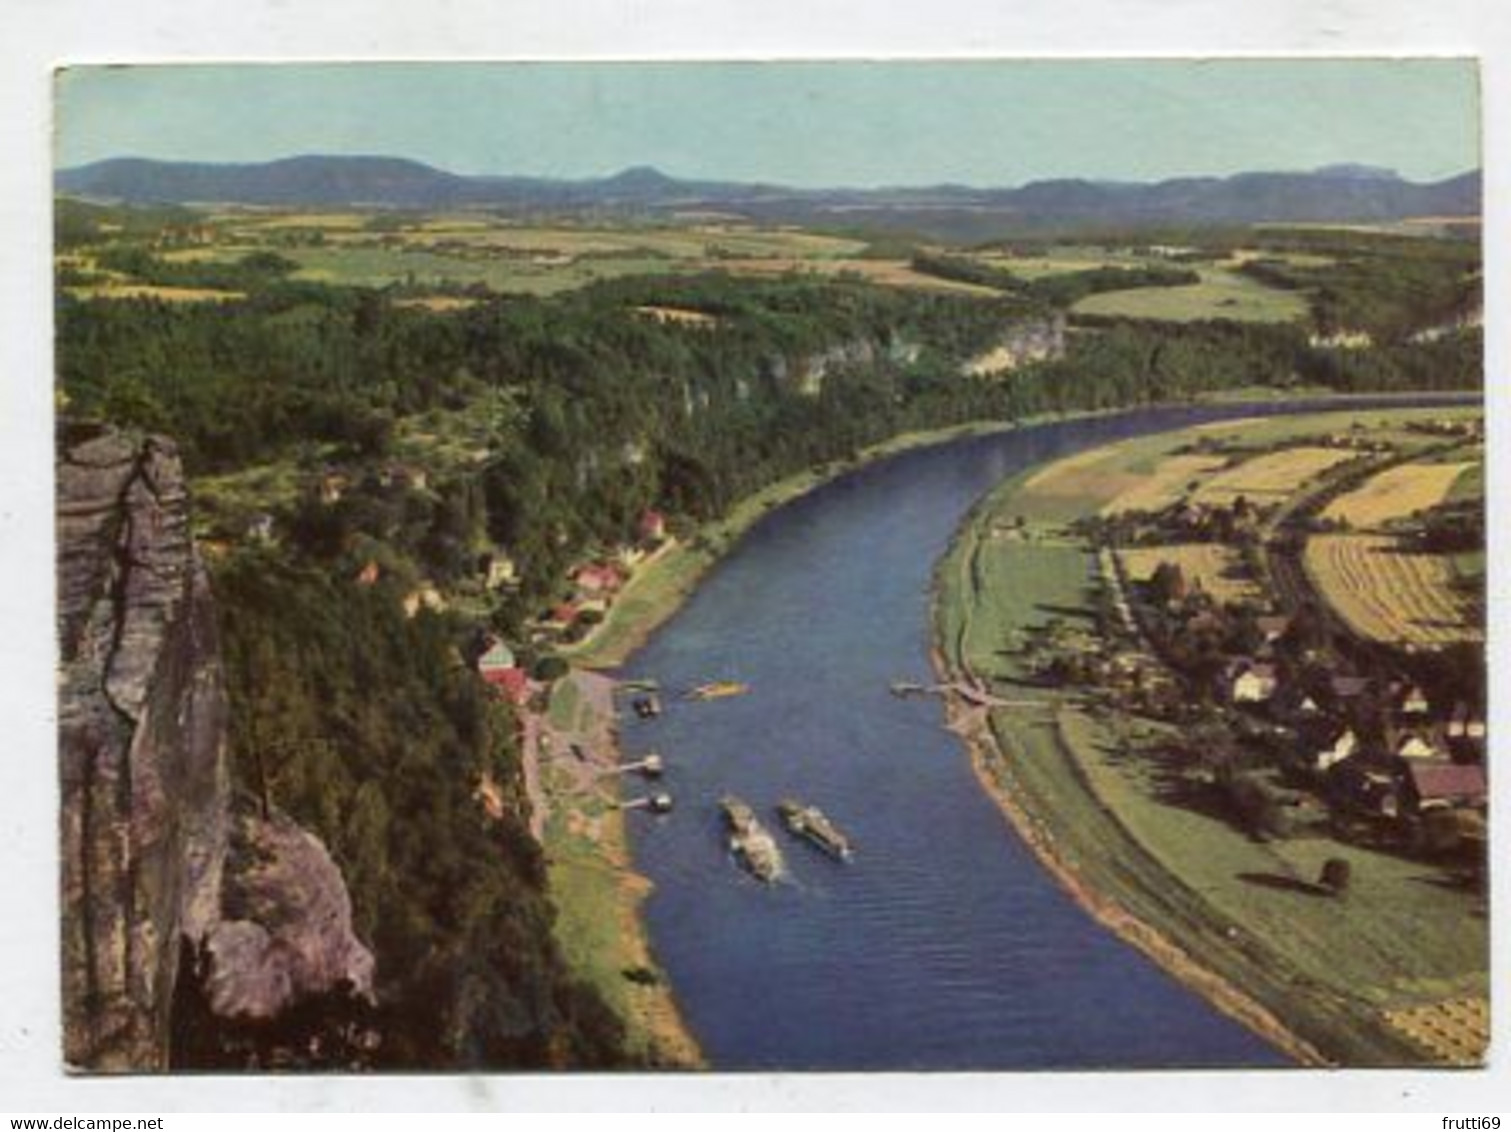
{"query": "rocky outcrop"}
[(287, 931), (142, 725), (1031, 340), (146, 796)]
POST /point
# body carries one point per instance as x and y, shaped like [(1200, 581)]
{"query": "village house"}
[(498, 570), (500, 670), (561, 616), (512, 684), (1439, 784), (423, 596), (1272, 627), (1333, 751), (597, 579), (1411, 700), (495, 657), (1347, 689), (1247, 681), (1415, 745), (331, 486), (1463, 723)]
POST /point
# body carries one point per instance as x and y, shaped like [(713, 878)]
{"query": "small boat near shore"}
[(751, 845), (717, 690), (813, 825)]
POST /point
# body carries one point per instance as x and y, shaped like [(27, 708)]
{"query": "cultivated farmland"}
[(1216, 568), (1388, 592), (1396, 493), (1220, 294), (1270, 477)]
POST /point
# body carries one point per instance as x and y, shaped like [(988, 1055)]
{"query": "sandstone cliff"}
[(146, 819)]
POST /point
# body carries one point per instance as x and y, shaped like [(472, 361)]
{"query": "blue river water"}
[(944, 945)]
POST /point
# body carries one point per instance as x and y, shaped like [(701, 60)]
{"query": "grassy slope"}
[(1220, 294), (1323, 966)]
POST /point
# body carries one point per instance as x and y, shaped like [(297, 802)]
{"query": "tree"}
[(1337, 873)]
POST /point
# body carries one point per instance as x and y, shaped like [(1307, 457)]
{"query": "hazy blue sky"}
[(795, 123)]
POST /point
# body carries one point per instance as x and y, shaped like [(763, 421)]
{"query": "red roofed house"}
[(1437, 784), (596, 579), (513, 684)]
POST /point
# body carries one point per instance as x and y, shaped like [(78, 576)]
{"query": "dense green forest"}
[(361, 724)]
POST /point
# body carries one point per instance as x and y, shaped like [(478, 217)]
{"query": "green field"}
[(1134, 828), (1220, 294)]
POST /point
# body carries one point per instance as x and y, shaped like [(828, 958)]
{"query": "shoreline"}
[(968, 723)]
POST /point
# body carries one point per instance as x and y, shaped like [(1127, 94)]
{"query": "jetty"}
[(655, 803), (968, 691), (652, 766)]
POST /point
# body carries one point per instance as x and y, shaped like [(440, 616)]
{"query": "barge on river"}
[(752, 846), (812, 824)]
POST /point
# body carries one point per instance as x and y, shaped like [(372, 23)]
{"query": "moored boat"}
[(812, 824), (717, 690), (752, 846)]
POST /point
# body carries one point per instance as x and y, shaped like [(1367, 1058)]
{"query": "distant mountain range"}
[(1334, 193)]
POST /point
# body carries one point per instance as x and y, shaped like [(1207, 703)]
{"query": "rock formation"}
[(146, 795)]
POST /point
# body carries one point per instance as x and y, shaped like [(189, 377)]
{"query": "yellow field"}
[(1087, 475), (149, 291), (1165, 485), (1270, 477), (1396, 493), (1215, 567), (1454, 1031), (438, 302), (1388, 593)]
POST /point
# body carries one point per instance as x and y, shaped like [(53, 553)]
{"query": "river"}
[(944, 945)]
